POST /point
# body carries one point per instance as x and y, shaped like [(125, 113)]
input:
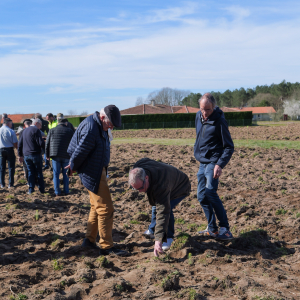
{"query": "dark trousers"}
[(171, 230), (35, 168), (7, 154)]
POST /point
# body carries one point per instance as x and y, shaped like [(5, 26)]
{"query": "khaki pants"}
[(101, 215)]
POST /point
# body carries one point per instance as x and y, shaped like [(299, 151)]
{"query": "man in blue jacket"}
[(213, 149), (89, 152)]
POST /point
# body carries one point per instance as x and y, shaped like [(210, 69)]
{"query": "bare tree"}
[(167, 96), (139, 101), (72, 112), (291, 108), (84, 113)]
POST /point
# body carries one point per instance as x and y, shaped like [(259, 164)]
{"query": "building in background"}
[(259, 113)]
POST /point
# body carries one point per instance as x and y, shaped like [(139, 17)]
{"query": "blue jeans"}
[(59, 164), (171, 230), (47, 162), (34, 165), (208, 197), (7, 154)]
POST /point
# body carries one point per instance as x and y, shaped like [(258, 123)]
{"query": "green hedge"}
[(247, 115), (75, 121)]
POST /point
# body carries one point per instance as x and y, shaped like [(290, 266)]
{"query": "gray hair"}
[(210, 98), (34, 121), (38, 115), (102, 113), (135, 174)]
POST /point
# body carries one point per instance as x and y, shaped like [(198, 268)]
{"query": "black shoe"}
[(113, 250), (45, 168), (88, 244)]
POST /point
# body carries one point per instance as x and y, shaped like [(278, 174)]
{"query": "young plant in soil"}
[(36, 216), (18, 297), (56, 265)]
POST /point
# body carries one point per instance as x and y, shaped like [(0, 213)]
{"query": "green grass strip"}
[(190, 142)]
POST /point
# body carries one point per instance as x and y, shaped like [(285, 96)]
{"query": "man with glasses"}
[(165, 186), (213, 149), (89, 152)]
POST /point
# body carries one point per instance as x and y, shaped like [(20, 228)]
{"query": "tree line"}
[(262, 95)]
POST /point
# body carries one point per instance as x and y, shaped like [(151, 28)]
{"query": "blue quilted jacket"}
[(87, 151)]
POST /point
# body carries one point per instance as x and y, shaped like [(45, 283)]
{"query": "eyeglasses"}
[(142, 187)]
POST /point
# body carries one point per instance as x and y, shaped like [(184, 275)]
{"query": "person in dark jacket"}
[(26, 123), (165, 186), (57, 144), (60, 116), (30, 147), (45, 123), (89, 156), (44, 129), (213, 149)]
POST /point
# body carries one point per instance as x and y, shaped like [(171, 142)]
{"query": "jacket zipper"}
[(203, 129)]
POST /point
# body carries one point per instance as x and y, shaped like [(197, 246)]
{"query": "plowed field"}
[(40, 235)]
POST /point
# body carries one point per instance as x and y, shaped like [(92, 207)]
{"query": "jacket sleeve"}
[(39, 140), (47, 147), (81, 150), (163, 209), (20, 146), (227, 144)]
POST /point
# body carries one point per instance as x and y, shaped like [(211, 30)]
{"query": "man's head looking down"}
[(207, 104), (139, 180)]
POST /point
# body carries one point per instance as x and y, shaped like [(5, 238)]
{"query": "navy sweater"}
[(31, 142)]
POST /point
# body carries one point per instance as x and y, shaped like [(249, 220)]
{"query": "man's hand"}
[(217, 172), (158, 248), (21, 159), (71, 172)]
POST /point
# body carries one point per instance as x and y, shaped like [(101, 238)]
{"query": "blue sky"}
[(83, 55)]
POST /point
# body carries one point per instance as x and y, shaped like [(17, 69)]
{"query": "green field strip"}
[(190, 142)]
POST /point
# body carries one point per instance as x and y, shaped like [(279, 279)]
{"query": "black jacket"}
[(166, 183), (30, 142), (213, 141), (70, 125), (58, 141), (44, 125)]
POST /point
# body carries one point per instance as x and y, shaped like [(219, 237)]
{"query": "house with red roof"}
[(259, 113), (19, 118), (153, 108)]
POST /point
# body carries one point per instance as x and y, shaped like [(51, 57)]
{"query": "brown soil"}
[(289, 132), (41, 256)]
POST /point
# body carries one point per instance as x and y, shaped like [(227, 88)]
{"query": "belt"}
[(6, 148)]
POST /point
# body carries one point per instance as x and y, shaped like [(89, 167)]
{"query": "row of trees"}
[(262, 95)]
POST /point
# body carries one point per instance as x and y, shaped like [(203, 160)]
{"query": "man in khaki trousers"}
[(89, 152)]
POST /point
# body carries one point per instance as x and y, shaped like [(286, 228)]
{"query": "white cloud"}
[(195, 54), (238, 12), (171, 14)]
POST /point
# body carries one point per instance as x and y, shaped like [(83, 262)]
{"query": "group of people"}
[(39, 137), (87, 152)]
